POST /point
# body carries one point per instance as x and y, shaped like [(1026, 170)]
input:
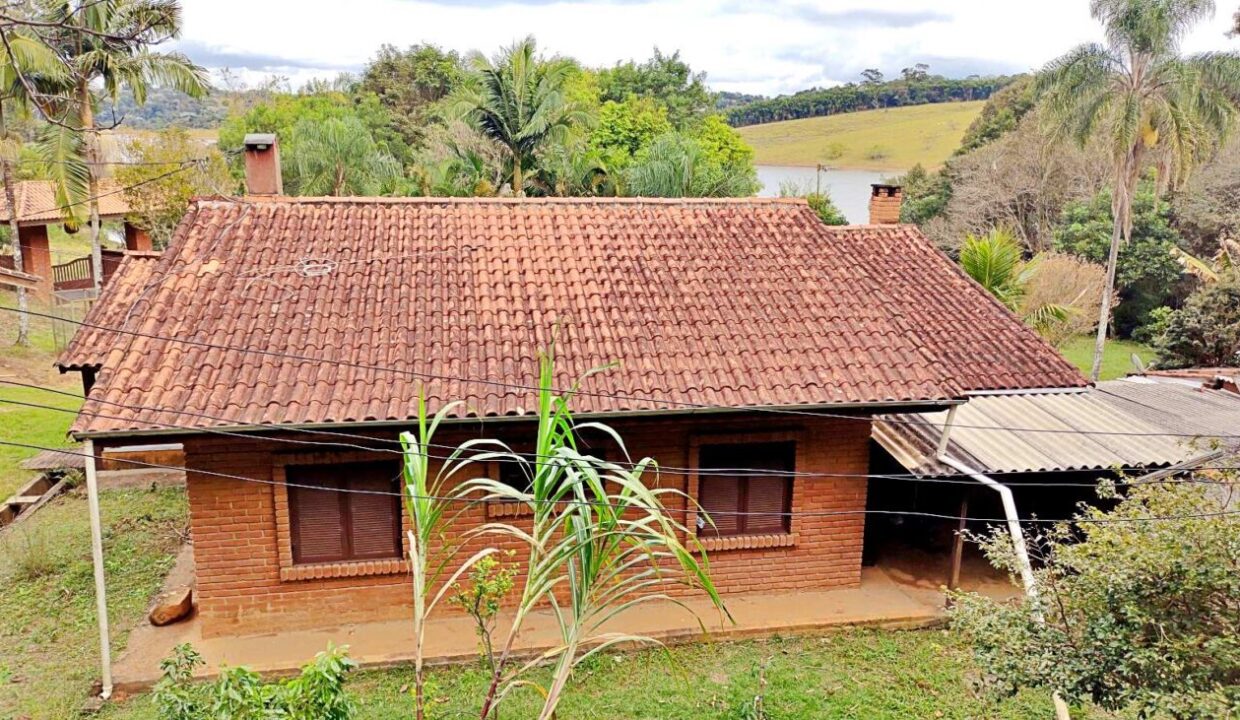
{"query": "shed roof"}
[(279, 310), (1118, 423), (36, 202), (91, 344)]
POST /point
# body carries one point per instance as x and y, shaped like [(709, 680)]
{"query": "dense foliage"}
[(1000, 115), (1206, 331), (240, 694), (160, 182), (865, 96), (1147, 274), (666, 79), (1140, 615)]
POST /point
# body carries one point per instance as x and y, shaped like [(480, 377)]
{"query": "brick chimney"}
[(262, 165), (885, 204)]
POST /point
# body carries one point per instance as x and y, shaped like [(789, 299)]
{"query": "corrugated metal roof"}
[(1060, 431)]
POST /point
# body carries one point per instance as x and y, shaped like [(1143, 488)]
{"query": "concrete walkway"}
[(878, 602)]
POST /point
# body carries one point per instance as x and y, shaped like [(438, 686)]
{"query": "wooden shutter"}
[(720, 498), (764, 501), (374, 520), (316, 520), (328, 525), (768, 496)]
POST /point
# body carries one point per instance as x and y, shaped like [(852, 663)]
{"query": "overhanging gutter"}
[(1030, 391), (803, 410)]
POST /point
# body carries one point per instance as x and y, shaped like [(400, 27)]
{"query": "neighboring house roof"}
[(90, 344), (36, 202), (67, 459), (703, 303), (1117, 423)]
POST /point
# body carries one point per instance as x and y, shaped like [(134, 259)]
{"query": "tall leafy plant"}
[(428, 500), (106, 45), (995, 261), (1140, 99), (518, 100), (600, 541)]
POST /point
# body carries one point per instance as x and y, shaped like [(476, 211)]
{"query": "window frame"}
[(345, 502), (290, 571), (709, 537)]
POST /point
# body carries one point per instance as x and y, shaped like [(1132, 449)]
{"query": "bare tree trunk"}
[(518, 183), (23, 307), (1127, 175), (1108, 291), (92, 173)]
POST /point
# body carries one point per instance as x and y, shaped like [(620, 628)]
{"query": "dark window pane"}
[(728, 483)]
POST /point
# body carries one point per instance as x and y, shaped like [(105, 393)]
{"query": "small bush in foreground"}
[(240, 694)]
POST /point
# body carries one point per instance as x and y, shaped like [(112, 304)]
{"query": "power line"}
[(523, 459), (110, 192), (686, 511), (590, 393), (514, 457)]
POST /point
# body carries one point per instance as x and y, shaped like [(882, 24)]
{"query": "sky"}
[(766, 47)]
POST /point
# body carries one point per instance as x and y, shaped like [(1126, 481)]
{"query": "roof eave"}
[(910, 406)]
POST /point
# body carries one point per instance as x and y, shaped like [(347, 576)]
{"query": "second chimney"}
[(885, 204), (262, 165)]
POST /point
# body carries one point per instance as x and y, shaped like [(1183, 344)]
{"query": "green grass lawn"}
[(49, 642), (869, 674), (1116, 359), (20, 424), (894, 139)]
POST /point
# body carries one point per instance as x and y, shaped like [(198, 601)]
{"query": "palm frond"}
[(62, 151)]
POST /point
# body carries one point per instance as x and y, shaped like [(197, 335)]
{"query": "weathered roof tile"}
[(736, 303)]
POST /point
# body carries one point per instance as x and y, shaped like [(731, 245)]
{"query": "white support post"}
[(1018, 545), (945, 436), (96, 551)]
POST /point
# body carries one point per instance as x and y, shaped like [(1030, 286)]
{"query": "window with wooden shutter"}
[(738, 496), (346, 511)]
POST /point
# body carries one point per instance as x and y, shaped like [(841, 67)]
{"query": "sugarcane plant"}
[(432, 504), (600, 541)]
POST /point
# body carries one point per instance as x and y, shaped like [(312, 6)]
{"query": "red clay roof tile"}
[(733, 303)]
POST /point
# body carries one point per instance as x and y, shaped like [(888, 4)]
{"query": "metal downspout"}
[(1018, 545)]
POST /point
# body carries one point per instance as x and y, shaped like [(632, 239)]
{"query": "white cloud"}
[(762, 47)]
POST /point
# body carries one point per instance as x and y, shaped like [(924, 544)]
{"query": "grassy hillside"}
[(893, 139)]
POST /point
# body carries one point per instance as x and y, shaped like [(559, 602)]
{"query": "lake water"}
[(849, 189)]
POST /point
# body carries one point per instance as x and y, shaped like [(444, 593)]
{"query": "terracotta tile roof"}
[(962, 326), (36, 202), (90, 345), (734, 303)]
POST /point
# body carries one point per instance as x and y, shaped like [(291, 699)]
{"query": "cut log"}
[(173, 606)]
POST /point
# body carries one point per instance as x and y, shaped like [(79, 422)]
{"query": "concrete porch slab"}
[(879, 601)]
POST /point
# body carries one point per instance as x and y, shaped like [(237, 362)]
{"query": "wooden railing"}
[(73, 275)]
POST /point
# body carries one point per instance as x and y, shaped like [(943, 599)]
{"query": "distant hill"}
[(893, 139), (915, 89)]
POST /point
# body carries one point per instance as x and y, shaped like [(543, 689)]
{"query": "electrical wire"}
[(589, 393), (255, 433), (596, 503)]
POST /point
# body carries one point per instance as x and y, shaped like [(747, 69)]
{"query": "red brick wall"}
[(237, 544)]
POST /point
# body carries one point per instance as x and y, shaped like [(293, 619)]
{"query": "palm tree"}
[(23, 55), (994, 260), (339, 157), (108, 42), (518, 100), (1144, 102)]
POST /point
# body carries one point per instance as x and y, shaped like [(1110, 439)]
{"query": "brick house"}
[(272, 322)]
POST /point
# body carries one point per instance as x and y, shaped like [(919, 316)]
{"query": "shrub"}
[(1148, 273), (33, 553), (876, 152), (240, 694), (1206, 331), (1140, 613), (1066, 281)]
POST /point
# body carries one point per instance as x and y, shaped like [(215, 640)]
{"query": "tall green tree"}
[(338, 157), (665, 79), (410, 83), (105, 46), (518, 100), (1144, 102), (24, 56)]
